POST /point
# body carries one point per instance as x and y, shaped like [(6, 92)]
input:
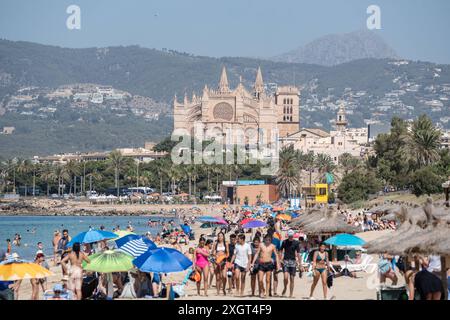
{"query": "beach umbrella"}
[(277, 209), (12, 270), (330, 223), (266, 206), (186, 229), (91, 236), (221, 221), (254, 224), (137, 247), (109, 261), (345, 240), (122, 240), (284, 217), (247, 220), (246, 207), (122, 233), (162, 260), (208, 225), (207, 219)]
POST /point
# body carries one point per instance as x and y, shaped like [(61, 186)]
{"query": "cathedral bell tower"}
[(341, 119)]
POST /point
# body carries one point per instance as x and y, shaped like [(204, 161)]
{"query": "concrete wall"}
[(269, 193)]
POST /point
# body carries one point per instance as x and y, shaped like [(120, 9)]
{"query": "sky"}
[(415, 29)]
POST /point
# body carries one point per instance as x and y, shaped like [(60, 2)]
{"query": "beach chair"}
[(49, 295), (365, 265)]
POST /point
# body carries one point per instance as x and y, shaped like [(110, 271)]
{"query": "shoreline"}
[(51, 207)]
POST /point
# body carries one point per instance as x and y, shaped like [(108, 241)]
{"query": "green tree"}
[(358, 185), (423, 142), (426, 181)]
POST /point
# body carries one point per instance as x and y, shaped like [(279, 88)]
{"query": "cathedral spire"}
[(223, 83), (259, 83)]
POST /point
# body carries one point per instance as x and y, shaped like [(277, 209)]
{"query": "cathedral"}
[(217, 111)]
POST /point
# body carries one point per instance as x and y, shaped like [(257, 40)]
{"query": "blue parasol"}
[(92, 236), (345, 240), (162, 260), (254, 224)]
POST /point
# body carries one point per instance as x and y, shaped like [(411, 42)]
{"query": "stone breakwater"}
[(46, 207)]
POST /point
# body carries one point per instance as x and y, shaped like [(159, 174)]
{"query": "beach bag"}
[(330, 280), (128, 291), (384, 266), (195, 276), (179, 289)]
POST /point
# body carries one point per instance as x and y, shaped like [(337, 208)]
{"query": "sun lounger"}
[(365, 265)]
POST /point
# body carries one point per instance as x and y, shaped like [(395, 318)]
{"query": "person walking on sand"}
[(63, 250), (320, 265), (241, 260), (220, 253), (266, 254), (76, 258), (290, 252), (201, 264)]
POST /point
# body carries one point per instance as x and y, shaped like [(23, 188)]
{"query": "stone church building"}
[(217, 111)]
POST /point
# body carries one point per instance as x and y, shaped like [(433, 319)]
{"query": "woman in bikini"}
[(320, 265), (76, 257), (220, 253), (201, 264)]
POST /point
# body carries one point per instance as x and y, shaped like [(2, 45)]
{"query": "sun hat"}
[(58, 287)]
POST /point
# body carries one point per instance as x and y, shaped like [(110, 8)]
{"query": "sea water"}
[(33, 229)]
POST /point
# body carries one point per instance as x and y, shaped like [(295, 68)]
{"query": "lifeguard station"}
[(316, 194)]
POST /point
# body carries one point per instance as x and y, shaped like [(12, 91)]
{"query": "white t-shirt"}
[(242, 251)]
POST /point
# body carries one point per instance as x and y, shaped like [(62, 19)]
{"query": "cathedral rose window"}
[(223, 111)]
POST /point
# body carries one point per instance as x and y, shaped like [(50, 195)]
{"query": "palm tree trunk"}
[(117, 180)]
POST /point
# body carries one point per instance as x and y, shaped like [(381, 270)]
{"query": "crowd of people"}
[(224, 257)]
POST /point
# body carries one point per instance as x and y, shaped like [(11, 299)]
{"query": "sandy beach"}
[(344, 288)]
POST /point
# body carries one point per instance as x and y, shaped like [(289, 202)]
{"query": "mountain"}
[(335, 49), (373, 90)]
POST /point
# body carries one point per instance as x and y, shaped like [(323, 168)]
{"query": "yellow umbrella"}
[(284, 217), (122, 233), (19, 270)]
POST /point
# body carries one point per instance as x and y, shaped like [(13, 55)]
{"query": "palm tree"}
[(73, 169), (94, 175), (423, 142), (308, 163), (288, 176), (348, 162), (63, 175), (116, 162), (47, 173), (24, 168), (324, 165)]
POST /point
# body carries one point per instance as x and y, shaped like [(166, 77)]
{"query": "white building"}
[(335, 143)]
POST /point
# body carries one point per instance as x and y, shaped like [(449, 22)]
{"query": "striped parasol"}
[(137, 247)]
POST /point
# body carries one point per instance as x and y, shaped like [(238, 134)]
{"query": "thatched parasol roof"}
[(332, 222), (309, 216), (424, 230)]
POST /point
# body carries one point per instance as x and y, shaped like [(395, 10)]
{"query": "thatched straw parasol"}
[(308, 217), (331, 223)]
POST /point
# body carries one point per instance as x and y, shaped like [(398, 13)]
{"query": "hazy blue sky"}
[(416, 29)]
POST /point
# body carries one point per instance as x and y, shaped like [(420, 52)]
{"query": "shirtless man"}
[(266, 264), (76, 258), (55, 241)]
